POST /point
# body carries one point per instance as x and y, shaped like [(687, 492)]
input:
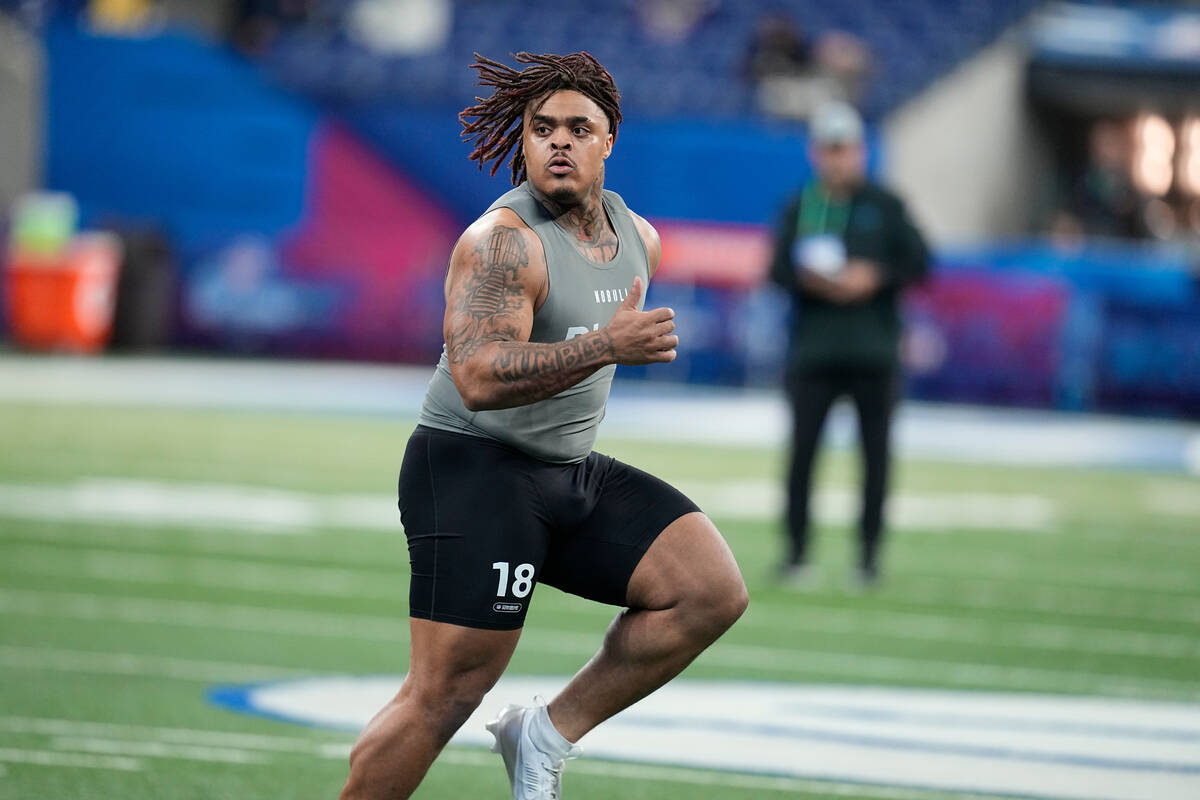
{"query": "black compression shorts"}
[(486, 523)]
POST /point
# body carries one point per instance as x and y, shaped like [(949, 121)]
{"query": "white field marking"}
[(767, 616), (902, 669), (150, 503), (96, 663), (701, 777), (179, 752), (1058, 601), (154, 733), (993, 633), (226, 573), (214, 616), (772, 661), (128, 566), (1019, 569), (759, 499), (1191, 454), (1027, 745), (977, 593), (229, 506), (1175, 498), (780, 617), (266, 510), (153, 503), (49, 758)]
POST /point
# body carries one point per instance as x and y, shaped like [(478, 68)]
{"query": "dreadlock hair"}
[(498, 123)]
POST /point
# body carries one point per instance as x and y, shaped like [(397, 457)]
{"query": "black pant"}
[(812, 392)]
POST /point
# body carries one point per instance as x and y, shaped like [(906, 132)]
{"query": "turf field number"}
[(522, 579)]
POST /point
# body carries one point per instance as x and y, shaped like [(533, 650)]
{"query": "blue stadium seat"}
[(912, 42)]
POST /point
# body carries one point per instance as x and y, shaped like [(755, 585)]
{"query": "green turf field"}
[(111, 631)]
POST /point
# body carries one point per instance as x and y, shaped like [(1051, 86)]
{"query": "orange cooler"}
[(67, 301)]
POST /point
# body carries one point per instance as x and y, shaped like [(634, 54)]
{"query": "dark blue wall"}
[(726, 171), (173, 131)]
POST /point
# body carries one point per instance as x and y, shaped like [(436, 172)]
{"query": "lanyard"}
[(819, 215)]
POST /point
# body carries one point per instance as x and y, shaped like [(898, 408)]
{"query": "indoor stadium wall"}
[(20, 114), (964, 152)]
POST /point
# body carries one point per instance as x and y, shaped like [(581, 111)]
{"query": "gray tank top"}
[(582, 297)]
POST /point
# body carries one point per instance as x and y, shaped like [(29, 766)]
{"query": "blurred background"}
[(224, 227), (285, 177)]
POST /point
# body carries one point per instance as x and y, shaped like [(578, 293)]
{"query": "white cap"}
[(835, 122)]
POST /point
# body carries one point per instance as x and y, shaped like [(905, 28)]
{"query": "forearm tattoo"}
[(539, 369)]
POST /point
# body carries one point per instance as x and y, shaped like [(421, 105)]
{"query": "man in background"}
[(844, 249)]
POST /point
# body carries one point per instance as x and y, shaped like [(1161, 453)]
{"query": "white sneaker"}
[(534, 773)]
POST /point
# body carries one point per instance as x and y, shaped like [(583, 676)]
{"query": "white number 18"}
[(522, 579)]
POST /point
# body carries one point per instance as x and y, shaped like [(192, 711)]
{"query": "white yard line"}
[(224, 573), (196, 506), (154, 733), (649, 412), (770, 661), (151, 749), (50, 758), (1084, 602), (215, 616), (775, 617), (96, 663), (951, 673), (259, 573), (781, 617)]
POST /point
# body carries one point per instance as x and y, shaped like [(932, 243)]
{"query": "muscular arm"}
[(497, 276), (650, 239)]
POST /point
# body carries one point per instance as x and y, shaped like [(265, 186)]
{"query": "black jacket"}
[(864, 334)]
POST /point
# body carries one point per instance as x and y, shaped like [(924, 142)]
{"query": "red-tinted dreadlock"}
[(499, 120)]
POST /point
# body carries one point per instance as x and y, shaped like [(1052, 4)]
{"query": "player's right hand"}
[(642, 337)]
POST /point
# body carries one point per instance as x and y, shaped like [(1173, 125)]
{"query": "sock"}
[(545, 736)]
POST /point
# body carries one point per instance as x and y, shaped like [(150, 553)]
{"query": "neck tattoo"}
[(587, 223)]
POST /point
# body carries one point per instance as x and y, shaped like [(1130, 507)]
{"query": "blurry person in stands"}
[(257, 23), (844, 249), (672, 22), (1103, 201), (794, 74)]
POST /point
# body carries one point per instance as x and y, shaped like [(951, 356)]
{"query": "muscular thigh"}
[(477, 534), (626, 509)]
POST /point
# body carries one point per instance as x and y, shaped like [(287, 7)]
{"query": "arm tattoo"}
[(536, 371), (490, 296), (487, 308)]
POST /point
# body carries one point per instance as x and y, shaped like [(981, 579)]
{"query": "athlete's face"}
[(566, 141), (840, 166)]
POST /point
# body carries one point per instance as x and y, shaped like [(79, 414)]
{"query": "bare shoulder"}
[(499, 236), (650, 238)]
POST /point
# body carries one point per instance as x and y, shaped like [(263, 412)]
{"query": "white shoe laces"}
[(544, 774)]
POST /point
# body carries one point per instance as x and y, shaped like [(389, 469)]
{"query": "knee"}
[(714, 607), (735, 600), (451, 699)]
